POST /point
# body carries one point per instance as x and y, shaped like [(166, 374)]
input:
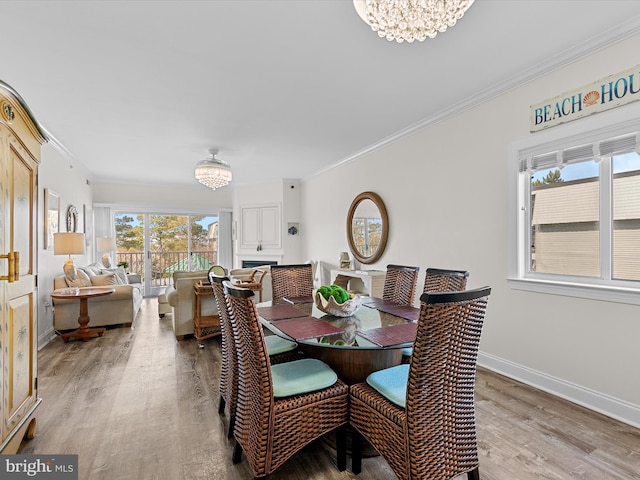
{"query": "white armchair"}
[(181, 298)]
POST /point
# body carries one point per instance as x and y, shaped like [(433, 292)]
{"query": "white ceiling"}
[(137, 91)]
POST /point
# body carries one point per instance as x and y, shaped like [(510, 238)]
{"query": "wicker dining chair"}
[(441, 280), (421, 417), (279, 349), (291, 281), (281, 408), (438, 280), (400, 284)]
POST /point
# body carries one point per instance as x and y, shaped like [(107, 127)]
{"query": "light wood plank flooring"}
[(136, 404)]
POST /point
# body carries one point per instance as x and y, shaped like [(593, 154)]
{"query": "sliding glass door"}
[(156, 245)]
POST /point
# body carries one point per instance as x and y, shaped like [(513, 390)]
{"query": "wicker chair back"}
[(291, 281), (400, 284), (440, 280), (229, 368), (435, 435), (271, 430)]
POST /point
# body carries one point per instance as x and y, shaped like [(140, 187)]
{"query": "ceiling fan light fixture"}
[(213, 172), (409, 20)]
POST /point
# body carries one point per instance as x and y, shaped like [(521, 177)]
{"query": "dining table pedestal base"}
[(353, 365)]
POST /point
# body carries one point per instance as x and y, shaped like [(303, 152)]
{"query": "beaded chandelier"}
[(212, 172), (409, 20)]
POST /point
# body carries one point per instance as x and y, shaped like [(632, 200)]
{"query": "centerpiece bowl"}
[(332, 307)]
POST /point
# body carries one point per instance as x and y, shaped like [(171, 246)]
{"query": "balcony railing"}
[(163, 264)]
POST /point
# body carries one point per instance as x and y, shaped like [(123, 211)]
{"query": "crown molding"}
[(563, 58)]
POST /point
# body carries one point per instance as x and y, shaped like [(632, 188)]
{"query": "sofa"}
[(118, 308)]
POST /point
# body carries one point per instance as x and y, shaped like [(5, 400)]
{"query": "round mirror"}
[(367, 227)]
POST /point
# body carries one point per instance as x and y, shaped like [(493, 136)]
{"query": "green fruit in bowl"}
[(338, 293)]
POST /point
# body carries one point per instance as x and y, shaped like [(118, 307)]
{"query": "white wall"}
[(69, 180), (169, 199), (291, 213), (446, 192), (285, 193)]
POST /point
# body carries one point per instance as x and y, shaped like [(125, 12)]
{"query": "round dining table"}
[(347, 344), (353, 346)]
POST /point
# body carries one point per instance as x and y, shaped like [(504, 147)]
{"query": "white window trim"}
[(605, 125)]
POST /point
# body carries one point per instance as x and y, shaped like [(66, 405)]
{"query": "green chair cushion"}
[(391, 383), (276, 344), (301, 376)]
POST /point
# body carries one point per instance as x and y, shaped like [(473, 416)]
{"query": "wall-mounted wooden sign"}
[(610, 92)]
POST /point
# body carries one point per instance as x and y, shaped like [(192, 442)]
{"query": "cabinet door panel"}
[(22, 212), (270, 220), (19, 358), (250, 226)]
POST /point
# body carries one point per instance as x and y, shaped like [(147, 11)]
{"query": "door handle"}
[(13, 273)]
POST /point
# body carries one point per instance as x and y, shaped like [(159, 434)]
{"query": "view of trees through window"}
[(176, 242)]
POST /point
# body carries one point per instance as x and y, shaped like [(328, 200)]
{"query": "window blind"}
[(581, 153)]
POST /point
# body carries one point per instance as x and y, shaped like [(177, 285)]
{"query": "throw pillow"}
[(94, 268), (80, 279), (104, 280), (121, 275)]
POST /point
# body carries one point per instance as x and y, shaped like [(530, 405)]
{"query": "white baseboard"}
[(45, 337), (612, 407)]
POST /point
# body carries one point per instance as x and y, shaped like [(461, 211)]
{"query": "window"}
[(578, 216), (156, 245)]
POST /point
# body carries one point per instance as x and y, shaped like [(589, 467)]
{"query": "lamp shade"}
[(68, 243), (106, 244)]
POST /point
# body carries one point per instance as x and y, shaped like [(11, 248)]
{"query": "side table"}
[(205, 326), (83, 294)]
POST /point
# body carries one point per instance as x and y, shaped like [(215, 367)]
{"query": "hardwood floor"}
[(136, 404)]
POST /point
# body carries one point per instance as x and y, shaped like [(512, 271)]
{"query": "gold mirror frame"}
[(385, 227)]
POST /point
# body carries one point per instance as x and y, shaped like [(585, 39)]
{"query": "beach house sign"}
[(610, 92)]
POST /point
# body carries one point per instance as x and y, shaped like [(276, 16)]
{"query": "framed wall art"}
[(51, 216)]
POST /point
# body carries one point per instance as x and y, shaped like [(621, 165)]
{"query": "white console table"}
[(367, 282)]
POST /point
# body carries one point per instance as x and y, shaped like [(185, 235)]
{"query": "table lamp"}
[(106, 245), (68, 243)]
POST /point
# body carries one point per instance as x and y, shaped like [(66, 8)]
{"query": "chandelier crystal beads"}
[(213, 172), (409, 20)]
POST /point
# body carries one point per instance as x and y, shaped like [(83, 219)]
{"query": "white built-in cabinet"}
[(260, 227)]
